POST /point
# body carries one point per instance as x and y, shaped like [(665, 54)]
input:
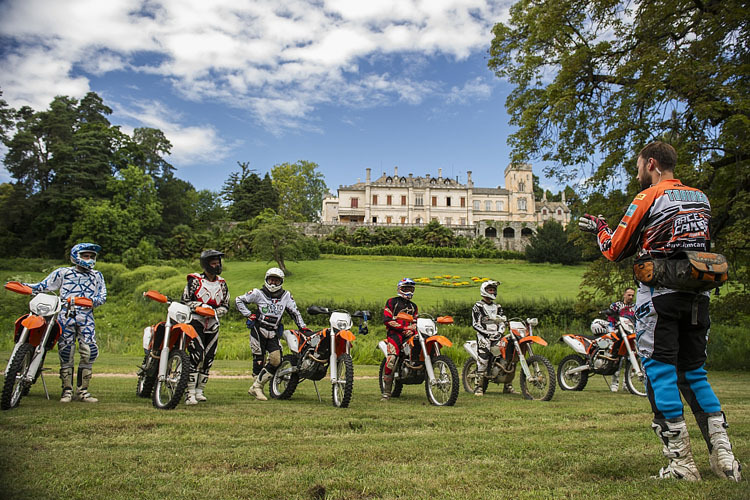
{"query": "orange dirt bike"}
[(312, 355), (165, 371), (420, 361), (603, 355), (35, 334), (537, 377)]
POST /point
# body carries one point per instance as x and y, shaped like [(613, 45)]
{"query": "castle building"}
[(508, 215)]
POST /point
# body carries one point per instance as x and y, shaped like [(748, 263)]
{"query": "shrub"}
[(145, 253)]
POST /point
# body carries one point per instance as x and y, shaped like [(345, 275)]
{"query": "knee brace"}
[(89, 352), (66, 355), (257, 364)]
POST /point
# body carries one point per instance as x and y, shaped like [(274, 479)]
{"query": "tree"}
[(301, 189), (274, 238), (437, 235), (550, 244)]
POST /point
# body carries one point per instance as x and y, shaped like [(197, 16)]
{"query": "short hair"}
[(629, 288), (662, 152)]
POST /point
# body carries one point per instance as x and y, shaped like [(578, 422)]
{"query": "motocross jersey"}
[(201, 291), (625, 310), (394, 306), (270, 310), (482, 319)]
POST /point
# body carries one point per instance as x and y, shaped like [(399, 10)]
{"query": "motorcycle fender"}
[(574, 344), (148, 333), (533, 338), (346, 335), (31, 322), (623, 351), (179, 329), (291, 340), (383, 346), (443, 341), (471, 347)]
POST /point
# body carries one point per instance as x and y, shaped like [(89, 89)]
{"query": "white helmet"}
[(599, 327), (277, 273), (486, 293)]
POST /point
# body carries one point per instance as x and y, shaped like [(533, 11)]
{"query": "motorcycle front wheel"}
[(169, 392), (397, 386), (444, 391), (15, 386), (284, 381), (469, 377), (541, 384), (146, 379), (636, 384), (342, 389), (573, 381)]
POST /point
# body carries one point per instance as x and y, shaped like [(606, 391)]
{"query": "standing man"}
[(487, 319), (397, 330), (671, 325), (207, 289)]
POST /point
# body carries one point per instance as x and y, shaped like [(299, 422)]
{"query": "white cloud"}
[(277, 59), (475, 89)]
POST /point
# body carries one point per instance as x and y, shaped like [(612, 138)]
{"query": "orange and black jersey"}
[(663, 219), (394, 306)]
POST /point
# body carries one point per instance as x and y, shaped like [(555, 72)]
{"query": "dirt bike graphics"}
[(602, 356), (420, 361), (537, 379), (165, 371), (312, 355), (35, 334)]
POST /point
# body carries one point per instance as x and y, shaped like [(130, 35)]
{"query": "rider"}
[(397, 330), (207, 289), (625, 308), (265, 327), (489, 332), (78, 281)]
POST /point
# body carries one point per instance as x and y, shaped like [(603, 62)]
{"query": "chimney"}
[(411, 176), (395, 171), (367, 177), (440, 173), (563, 196)]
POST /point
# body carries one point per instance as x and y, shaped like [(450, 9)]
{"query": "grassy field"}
[(590, 444)]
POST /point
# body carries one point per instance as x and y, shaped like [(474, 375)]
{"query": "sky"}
[(346, 84)]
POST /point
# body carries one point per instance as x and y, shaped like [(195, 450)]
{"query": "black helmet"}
[(206, 257)]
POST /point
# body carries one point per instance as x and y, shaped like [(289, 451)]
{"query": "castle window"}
[(490, 232), (509, 232)]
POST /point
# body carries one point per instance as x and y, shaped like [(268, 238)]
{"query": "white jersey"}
[(270, 310)]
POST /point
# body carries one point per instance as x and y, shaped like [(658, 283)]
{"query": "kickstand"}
[(316, 391), (44, 384)]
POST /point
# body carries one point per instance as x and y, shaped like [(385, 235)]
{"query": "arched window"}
[(509, 232), (559, 211), (526, 232), (389, 180), (490, 232), (544, 211), (520, 186), (522, 204)]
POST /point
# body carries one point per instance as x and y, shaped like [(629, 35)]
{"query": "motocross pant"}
[(261, 345), (671, 333), (483, 351), (80, 327), (202, 349)]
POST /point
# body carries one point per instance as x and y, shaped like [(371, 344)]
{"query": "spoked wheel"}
[(342, 389), (15, 386), (572, 381), (397, 385), (284, 381), (469, 377), (635, 383), (169, 392), (541, 384), (444, 391), (146, 377)]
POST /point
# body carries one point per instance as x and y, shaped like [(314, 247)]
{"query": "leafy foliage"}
[(274, 238), (550, 244), (301, 190)]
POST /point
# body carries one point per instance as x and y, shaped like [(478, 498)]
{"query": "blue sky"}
[(345, 84)]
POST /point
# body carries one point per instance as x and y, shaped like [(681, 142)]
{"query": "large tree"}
[(301, 189)]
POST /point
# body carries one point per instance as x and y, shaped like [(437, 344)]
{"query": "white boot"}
[(257, 388), (721, 457), (199, 386), (615, 385), (190, 399), (676, 447)]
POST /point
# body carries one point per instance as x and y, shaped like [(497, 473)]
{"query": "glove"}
[(590, 224)]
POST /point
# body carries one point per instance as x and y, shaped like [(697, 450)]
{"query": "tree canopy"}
[(301, 190)]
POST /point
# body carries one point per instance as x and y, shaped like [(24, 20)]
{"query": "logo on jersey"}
[(631, 210), (640, 196), (689, 224)]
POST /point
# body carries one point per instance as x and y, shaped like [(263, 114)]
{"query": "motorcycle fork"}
[(631, 354), (333, 361), (427, 361), (522, 358), (164, 355)]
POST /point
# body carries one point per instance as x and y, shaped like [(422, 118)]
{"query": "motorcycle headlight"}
[(342, 325), (628, 326), (43, 309), (181, 317)]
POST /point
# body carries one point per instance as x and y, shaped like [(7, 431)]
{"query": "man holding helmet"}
[(265, 326), (397, 330), (484, 318), (207, 289), (76, 283)]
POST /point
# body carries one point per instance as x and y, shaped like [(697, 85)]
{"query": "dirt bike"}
[(165, 371), (602, 356), (537, 379), (35, 334), (312, 355), (420, 361)]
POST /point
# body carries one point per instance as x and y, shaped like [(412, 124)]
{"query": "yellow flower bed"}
[(451, 281)]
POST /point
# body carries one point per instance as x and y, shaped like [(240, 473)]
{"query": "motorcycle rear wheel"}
[(575, 381), (283, 386), (15, 386), (445, 390), (146, 379), (168, 392), (541, 386), (469, 377), (397, 385), (341, 391), (636, 385)]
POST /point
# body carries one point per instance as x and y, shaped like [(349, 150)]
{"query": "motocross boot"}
[(190, 399), (508, 389), (66, 375), (676, 447), (714, 429), (479, 389), (199, 386), (82, 392), (257, 388), (615, 385), (387, 387)]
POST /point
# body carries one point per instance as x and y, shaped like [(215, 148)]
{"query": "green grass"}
[(589, 444)]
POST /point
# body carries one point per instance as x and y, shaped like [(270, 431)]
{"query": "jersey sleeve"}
[(223, 308), (291, 309), (242, 302), (624, 240), (101, 291), (53, 281)]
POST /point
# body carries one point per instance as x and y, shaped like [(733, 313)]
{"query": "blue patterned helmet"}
[(84, 247), (406, 287)]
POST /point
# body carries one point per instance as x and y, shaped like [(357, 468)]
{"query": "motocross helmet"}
[(405, 288), (75, 254), (206, 257), (599, 327), (485, 292), (276, 273)]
